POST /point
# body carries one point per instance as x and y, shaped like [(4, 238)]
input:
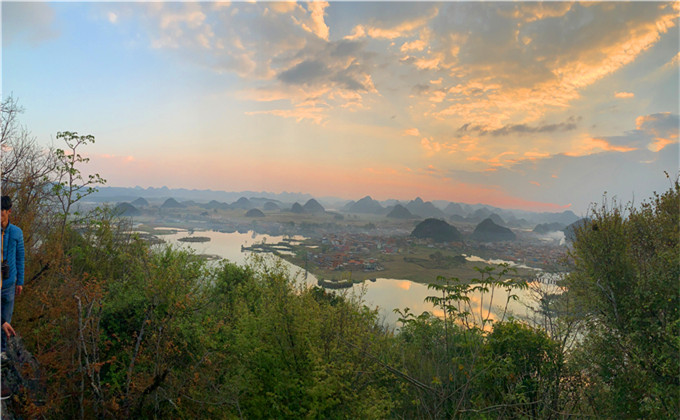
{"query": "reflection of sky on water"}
[(226, 245), (386, 294), (474, 258)]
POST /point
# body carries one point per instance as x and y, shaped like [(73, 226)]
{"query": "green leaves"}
[(627, 278), (456, 296), (70, 186)]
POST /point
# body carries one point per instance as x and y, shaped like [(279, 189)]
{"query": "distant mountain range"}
[(416, 209)]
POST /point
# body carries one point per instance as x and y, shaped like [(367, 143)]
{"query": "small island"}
[(194, 239)]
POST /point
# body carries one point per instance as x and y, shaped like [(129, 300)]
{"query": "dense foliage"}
[(124, 329), (626, 280)]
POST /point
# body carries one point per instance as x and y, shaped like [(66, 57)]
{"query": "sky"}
[(526, 105)]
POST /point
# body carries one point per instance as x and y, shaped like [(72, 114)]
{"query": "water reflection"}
[(386, 294)]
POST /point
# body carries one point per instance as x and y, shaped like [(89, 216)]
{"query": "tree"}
[(27, 171), (519, 373), (443, 358), (70, 186), (626, 280)]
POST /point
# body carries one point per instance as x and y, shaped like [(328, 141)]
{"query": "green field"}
[(416, 265)]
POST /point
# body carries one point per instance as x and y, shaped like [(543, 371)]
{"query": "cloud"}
[(624, 95), (502, 159), (286, 6), (306, 72), (653, 132), (501, 69), (533, 154), (396, 23), (420, 89), (412, 132), (618, 174), (433, 147), (513, 65), (419, 44), (623, 165), (30, 22), (314, 22), (674, 61), (590, 145), (570, 124), (532, 11), (662, 129), (283, 46)]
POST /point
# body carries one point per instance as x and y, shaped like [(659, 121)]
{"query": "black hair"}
[(6, 202)]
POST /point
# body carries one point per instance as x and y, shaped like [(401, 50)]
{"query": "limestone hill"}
[(488, 231), (437, 230), (254, 213), (126, 209), (366, 205), (171, 203), (400, 212), (313, 207)]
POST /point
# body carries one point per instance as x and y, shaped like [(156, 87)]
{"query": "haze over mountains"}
[(305, 203)]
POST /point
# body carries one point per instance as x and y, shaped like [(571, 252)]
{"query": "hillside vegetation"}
[(123, 329)]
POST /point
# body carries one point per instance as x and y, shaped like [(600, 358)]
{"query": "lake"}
[(386, 294)]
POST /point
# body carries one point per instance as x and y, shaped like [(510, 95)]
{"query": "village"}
[(367, 256)]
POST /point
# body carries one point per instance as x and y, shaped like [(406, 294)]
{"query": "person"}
[(12, 271)]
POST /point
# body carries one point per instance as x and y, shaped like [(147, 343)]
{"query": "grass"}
[(416, 265)]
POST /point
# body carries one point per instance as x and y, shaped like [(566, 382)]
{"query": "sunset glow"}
[(514, 104)]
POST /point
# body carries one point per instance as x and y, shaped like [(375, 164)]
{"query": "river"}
[(386, 294)]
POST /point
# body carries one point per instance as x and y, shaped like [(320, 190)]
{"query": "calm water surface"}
[(386, 294)]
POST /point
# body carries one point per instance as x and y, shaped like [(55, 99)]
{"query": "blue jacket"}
[(13, 253)]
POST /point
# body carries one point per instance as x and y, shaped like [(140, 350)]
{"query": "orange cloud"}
[(417, 45), (532, 11), (315, 23), (500, 101), (496, 161), (536, 155), (311, 103), (624, 95), (660, 143), (402, 29), (589, 146), (285, 6), (412, 132), (663, 134), (674, 61), (437, 96)]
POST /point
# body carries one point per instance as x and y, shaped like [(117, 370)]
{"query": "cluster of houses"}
[(534, 255), (357, 252), (353, 252)]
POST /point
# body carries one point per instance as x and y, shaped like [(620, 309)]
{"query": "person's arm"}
[(20, 261)]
